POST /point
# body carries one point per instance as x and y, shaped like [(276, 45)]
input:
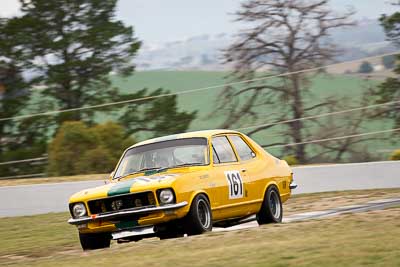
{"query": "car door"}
[(251, 168), (230, 183)]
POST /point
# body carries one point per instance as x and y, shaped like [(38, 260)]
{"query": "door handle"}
[(243, 170)]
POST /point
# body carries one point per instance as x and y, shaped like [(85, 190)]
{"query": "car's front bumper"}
[(125, 213)]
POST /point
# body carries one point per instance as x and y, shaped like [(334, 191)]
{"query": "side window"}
[(215, 156), (242, 148), (222, 150)]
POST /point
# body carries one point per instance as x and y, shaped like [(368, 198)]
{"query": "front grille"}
[(121, 202)]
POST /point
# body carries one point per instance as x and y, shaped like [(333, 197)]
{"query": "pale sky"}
[(158, 21)]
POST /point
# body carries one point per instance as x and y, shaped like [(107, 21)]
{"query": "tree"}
[(13, 96), (285, 36), (389, 90), (353, 148), (395, 155), (113, 137), (97, 160), (157, 117), (78, 148), (18, 139), (72, 140), (71, 47), (291, 160), (13, 89), (365, 67), (389, 61), (68, 49)]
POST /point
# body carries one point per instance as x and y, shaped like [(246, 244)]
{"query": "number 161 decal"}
[(235, 184)]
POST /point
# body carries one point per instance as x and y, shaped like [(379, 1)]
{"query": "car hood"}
[(126, 186)]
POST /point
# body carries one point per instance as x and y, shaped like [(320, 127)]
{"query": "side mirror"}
[(109, 178)]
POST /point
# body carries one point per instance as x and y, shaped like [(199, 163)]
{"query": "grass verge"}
[(348, 240)]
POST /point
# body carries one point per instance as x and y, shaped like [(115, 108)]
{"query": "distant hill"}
[(203, 52)]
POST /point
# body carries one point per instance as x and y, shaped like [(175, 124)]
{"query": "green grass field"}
[(204, 102), (362, 239)]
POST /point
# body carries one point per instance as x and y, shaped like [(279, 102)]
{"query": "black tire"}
[(271, 210), (95, 241), (199, 218), (170, 230), (169, 235)]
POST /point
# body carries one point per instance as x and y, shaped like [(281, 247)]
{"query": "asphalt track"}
[(251, 223), (45, 198)]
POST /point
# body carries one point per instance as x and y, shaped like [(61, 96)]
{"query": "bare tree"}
[(350, 124), (283, 36)]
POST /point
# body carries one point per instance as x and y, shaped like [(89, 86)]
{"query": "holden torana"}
[(183, 184)]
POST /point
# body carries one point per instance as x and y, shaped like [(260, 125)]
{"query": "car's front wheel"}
[(95, 241), (199, 218), (271, 209), (170, 230)]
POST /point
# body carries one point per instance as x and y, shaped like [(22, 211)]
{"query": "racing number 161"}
[(235, 184)]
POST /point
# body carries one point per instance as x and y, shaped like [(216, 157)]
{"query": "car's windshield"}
[(166, 154)]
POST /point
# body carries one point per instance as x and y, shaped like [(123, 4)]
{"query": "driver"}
[(164, 159)]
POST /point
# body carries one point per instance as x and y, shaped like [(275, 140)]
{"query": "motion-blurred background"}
[(81, 80)]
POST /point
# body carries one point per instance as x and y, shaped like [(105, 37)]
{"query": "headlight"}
[(78, 210), (166, 196)]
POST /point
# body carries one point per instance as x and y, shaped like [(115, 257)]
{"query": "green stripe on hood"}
[(121, 188), (124, 187)]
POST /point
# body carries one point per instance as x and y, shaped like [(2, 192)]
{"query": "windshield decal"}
[(160, 178)]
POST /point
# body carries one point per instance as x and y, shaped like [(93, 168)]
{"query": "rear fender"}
[(270, 183)]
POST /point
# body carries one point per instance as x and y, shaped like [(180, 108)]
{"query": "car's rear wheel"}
[(199, 218), (95, 241), (271, 209)]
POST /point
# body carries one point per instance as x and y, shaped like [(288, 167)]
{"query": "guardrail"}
[(53, 197), (31, 162), (33, 175)]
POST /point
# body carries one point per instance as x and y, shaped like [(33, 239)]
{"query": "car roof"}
[(204, 134)]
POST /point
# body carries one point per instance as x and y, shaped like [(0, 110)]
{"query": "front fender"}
[(192, 195)]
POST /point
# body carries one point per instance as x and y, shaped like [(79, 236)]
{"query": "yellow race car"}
[(183, 184)]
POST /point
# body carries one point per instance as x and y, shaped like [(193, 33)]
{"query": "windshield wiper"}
[(187, 165), (161, 168), (141, 170), (150, 169)]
